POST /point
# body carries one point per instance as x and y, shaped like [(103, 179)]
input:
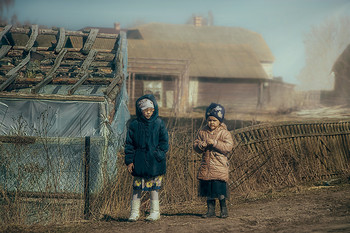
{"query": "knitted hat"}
[(215, 110), (145, 103)]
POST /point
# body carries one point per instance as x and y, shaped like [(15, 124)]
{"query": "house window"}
[(154, 88)]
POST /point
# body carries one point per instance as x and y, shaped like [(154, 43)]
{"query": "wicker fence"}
[(280, 154)]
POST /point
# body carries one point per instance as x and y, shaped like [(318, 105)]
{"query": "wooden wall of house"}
[(163, 88), (341, 94), (233, 94), (278, 95)]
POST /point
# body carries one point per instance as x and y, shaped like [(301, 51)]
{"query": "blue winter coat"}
[(147, 142)]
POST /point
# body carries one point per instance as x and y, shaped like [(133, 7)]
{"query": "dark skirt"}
[(212, 188)]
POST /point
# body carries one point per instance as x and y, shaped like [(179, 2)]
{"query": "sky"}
[(282, 23)]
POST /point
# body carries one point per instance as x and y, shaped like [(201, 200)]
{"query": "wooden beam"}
[(84, 70), (116, 81), (18, 95), (157, 68), (61, 40), (160, 72), (45, 31), (32, 38), (5, 31), (4, 50), (90, 41), (8, 81), (87, 62), (158, 59), (68, 49), (49, 77), (133, 87), (78, 84), (19, 66), (21, 81)]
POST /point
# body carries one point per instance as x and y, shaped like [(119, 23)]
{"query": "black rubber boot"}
[(211, 209), (223, 208)]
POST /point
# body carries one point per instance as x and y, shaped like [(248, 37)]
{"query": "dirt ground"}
[(301, 209)]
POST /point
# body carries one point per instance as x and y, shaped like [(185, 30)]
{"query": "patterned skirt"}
[(154, 183)]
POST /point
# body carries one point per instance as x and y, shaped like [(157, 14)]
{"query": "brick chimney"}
[(197, 21), (117, 27)]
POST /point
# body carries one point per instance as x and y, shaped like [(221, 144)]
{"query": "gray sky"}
[(282, 23)]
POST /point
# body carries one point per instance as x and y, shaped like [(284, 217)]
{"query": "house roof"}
[(58, 64), (203, 34), (343, 61), (205, 59)]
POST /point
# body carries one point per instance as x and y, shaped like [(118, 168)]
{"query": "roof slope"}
[(206, 60), (37, 61), (203, 34), (343, 61)]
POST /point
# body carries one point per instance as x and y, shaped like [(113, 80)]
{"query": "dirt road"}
[(314, 209)]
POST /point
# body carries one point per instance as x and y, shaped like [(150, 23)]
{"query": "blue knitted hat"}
[(215, 110)]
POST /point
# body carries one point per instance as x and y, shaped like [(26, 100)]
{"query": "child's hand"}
[(210, 142), (130, 167), (202, 145)]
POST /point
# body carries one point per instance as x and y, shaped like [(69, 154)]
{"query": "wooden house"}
[(62, 87), (341, 70), (189, 66)]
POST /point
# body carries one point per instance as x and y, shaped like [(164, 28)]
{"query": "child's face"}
[(213, 122), (148, 112)]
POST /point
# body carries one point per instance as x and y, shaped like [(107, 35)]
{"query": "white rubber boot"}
[(154, 213), (135, 210)]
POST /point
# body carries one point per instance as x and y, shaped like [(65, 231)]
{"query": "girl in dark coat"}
[(145, 155)]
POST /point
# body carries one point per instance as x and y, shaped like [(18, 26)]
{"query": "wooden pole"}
[(86, 179), (133, 88)]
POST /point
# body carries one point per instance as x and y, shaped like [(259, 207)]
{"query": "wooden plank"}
[(17, 95), (32, 38), (69, 49), (17, 139), (78, 84), (90, 41), (61, 40), (19, 66), (116, 81), (8, 81), (5, 31), (87, 62), (160, 72), (4, 50), (84, 70), (49, 77), (68, 33)]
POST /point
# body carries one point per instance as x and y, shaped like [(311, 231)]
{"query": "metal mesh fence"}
[(50, 179)]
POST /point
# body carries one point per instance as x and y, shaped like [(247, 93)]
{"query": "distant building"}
[(189, 66), (341, 70)]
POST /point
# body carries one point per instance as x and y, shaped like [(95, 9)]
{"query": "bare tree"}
[(4, 6), (210, 18), (323, 45)]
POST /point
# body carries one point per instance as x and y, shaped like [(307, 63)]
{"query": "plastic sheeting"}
[(51, 118), (54, 163)]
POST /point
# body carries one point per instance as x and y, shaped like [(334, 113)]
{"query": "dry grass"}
[(268, 163)]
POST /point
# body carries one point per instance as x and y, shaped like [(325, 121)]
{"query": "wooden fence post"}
[(86, 179)]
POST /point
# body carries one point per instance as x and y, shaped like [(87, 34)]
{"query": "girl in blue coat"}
[(146, 145)]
